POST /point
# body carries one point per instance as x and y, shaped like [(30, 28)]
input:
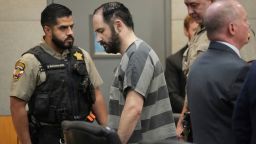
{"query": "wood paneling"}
[(7, 131)]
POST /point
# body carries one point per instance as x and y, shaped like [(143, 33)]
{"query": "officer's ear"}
[(47, 29)]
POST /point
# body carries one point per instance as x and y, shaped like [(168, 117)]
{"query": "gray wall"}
[(149, 19), (20, 30)]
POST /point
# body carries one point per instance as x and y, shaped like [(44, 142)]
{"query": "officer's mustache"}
[(70, 38)]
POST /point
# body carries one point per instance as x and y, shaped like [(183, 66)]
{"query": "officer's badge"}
[(19, 70), (78, 56)]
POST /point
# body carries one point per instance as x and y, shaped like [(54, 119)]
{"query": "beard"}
[(113, 46), (61, 44)]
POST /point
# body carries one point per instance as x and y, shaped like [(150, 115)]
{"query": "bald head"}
[(220, 14)]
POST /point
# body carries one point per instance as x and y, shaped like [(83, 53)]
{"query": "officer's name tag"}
[(57, 66)]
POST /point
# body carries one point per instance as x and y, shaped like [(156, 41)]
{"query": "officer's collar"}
[(52, 52), (200, 29)]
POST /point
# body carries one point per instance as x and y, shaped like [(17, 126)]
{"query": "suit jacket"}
[(213, 85), (244, 118), (175, 80)]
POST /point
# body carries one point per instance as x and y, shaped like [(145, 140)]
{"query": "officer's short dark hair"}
[(116, 10), (53, 11)]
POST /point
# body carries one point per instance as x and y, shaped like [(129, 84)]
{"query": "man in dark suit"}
[(174, 75), (216, 77), (244, 118)]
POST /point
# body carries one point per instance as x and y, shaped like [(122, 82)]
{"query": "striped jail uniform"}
[(140, 70)]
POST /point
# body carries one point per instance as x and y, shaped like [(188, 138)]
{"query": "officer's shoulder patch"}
[(19, 70), (78, 55)]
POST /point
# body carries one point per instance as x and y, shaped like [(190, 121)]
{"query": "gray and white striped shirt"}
[(140, 70)]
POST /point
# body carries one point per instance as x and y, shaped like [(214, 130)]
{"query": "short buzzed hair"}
[(112, 10), (53, 11)]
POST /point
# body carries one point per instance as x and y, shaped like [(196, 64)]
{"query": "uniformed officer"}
[(57, 80)]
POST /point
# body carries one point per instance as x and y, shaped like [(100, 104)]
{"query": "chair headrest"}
[(79, 132)]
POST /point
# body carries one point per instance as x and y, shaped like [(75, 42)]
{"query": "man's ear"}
[(232, 29), (118, 25)]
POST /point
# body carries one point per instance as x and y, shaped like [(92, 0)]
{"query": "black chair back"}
[(80, 132)]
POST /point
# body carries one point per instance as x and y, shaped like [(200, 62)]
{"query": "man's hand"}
[(179, 131)]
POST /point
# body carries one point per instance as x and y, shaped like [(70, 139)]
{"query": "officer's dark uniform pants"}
[(49, 135)]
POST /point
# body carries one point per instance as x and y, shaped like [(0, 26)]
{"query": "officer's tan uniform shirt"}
[(198, 44), (27, 74)]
